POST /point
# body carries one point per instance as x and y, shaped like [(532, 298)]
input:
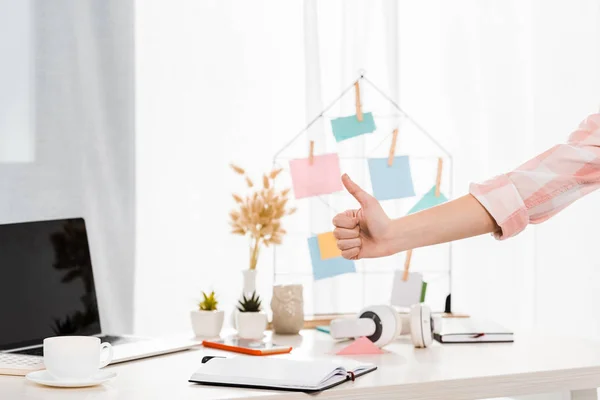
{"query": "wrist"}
[(395, 240)]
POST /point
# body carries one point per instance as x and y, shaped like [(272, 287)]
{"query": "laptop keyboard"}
[(36, 351), (39, 351)]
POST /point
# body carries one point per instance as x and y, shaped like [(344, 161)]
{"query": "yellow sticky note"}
[(328, 246)]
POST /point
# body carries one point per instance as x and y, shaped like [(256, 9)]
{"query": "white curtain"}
[(496, 82), (16, 81), (82, 80)]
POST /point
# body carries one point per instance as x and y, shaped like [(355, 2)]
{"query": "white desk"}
[(448, 372)]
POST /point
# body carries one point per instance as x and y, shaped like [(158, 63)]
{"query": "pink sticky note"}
[(322, 177), (361, 345)]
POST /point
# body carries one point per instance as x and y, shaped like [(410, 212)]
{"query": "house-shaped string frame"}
[(372, 282)]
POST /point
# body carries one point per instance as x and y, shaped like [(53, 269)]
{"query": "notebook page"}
[(268, 371), (460, 326)]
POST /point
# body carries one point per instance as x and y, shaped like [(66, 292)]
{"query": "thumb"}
[(356, 191)]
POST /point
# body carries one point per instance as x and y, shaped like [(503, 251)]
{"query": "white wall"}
[(567, 262), (84, 140)]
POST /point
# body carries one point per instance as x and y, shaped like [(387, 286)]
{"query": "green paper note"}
[(428, 201), (348, 127), (423, 291)]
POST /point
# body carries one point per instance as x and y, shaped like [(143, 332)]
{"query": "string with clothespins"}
[(357, 86), (438, 192)]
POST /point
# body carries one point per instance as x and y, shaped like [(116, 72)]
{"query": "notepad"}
[(278, 373), (469, 330)]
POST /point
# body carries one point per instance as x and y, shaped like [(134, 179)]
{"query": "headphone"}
[(382, 324)]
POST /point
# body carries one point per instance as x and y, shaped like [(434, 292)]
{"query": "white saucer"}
[(44, 378)]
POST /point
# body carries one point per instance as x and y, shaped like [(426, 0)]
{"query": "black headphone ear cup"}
[(386, 323)]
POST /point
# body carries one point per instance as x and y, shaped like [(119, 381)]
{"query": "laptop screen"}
[(46, 282)]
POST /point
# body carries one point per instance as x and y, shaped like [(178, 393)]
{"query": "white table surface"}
[(449, 372)]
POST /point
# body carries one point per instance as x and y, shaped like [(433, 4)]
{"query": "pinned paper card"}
[(328, 246), (361, 345), (320, 177), (406, 293), (348, 127), (428, 201), (327, 268), (391, 182)]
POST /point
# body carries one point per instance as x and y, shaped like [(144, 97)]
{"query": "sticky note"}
[(428, 201), (348, 127), (362, 345), (423, 291), (406, 293), (391, 182), (328, 246), (322, 177), (327, 268)]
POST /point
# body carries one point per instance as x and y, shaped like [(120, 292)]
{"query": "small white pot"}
[(207, 323), (251, 325)]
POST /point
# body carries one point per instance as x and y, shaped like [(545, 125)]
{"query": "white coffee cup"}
[(72, 358)]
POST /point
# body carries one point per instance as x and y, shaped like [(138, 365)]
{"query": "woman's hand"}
[(366, 232)]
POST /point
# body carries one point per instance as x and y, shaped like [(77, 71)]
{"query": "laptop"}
[(47, 289)]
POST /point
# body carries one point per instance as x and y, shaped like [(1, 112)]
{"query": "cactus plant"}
[(209, 303), (251, 304)]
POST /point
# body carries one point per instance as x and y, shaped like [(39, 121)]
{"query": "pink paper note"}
[(361, 345), (322, 177)]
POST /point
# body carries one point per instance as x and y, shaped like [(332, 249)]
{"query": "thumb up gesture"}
[(366, 232)]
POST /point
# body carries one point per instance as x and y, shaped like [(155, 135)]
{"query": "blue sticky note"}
[(348, 127), (327, 268), (391, 182), (428, 201)]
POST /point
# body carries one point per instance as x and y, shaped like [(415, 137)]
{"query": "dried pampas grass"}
[(259, 214)]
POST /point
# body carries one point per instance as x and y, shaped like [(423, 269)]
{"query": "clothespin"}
[(438, 180), (359, 114), (407, 265), (311, 152), (393, 147)]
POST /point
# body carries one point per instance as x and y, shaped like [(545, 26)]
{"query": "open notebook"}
[(279, 373)]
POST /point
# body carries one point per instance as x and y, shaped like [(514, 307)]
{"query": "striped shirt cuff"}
[(501, 199)]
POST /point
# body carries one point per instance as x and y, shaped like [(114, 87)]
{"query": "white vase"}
[(249, 287), (249, 281), (207, 323), (287, 305), (251, 325)]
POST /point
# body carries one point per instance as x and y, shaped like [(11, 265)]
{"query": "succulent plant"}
[(251, 304), (209, 303)]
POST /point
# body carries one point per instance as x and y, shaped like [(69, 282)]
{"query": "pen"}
[(206, 359)]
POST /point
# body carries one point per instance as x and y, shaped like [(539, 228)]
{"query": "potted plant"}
[(258, 216), (207, 321), (251, 321)]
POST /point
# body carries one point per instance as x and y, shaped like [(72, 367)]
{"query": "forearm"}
[(458, 219)]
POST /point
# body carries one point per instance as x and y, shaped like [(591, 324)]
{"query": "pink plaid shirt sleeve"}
[(545, 185)]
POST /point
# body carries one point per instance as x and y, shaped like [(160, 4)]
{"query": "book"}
[(469, 330), (278, 373)]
